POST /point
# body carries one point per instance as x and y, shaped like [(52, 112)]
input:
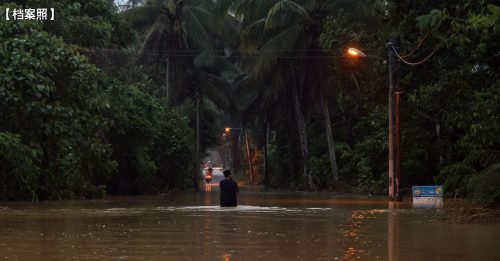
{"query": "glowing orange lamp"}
[(355, 52)]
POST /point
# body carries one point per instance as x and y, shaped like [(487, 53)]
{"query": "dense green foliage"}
[(18, 172), (50, 98), (152, 144), (69, 131), (450, 102), (101, 101)]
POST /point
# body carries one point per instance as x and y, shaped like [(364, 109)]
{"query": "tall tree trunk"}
[(197, 166), (437, 127), (248, 156), (167, 81), (329, 137), (319, 70), (235, 149), (266, 159), (301, 124)]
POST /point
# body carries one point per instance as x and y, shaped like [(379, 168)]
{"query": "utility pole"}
[(394, 90), (397, 148), (392, 58)]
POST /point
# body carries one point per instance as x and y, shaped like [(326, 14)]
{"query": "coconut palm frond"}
[(286, 42), (228, 70), (258, 104), (207, 59), (141, 17), (224, 6), (204, 16), (284, 13), (248, 84), (153, 46), (253, 35), (197, 32), (222, 26), (226, 28), (252, 10), (218, 90)]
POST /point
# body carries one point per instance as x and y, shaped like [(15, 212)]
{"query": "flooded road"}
[(266, 226)]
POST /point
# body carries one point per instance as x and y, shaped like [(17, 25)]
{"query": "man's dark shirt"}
[(228, 190)]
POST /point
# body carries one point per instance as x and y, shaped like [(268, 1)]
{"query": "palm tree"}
[(259, 110), (181, 42), (285, 28), (178, 34)]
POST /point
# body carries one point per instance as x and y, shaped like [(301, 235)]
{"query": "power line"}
[(427, 57), (248, 55), (235, 54), (224, 51), (239, 50), (414, 63), (419, 44), (241, 55)]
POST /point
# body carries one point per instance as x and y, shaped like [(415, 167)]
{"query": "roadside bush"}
[(459, 180), (321, 171), (52, 99), (18, 171), (152, 144), (484, 187), (455, 179), (173, 151)]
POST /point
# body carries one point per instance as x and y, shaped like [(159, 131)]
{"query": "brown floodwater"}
[(265, 226)]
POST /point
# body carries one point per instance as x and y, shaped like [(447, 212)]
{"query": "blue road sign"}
[(427, 196), (427, 191)]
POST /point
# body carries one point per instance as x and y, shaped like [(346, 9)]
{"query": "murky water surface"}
[(266, 226)]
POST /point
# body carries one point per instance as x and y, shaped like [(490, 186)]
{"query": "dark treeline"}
[(105, 98)]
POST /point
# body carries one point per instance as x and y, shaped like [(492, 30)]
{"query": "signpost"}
[(427, 196)]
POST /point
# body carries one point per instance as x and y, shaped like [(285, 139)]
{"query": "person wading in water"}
[(228, 190)]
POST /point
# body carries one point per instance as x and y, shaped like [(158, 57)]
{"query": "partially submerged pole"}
[(394, 174), (392, 60)]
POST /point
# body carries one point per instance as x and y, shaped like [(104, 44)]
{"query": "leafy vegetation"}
[(66, 126), (101, 101)]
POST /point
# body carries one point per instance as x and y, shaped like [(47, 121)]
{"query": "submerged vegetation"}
[(107, 99)]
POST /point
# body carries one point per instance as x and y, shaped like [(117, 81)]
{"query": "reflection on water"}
[(393, 237), (266, 226)]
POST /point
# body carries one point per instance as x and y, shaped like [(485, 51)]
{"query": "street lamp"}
[(355, 52), (394, 139)]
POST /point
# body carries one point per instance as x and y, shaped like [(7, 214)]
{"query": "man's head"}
[(210, 170), (227, 173)]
